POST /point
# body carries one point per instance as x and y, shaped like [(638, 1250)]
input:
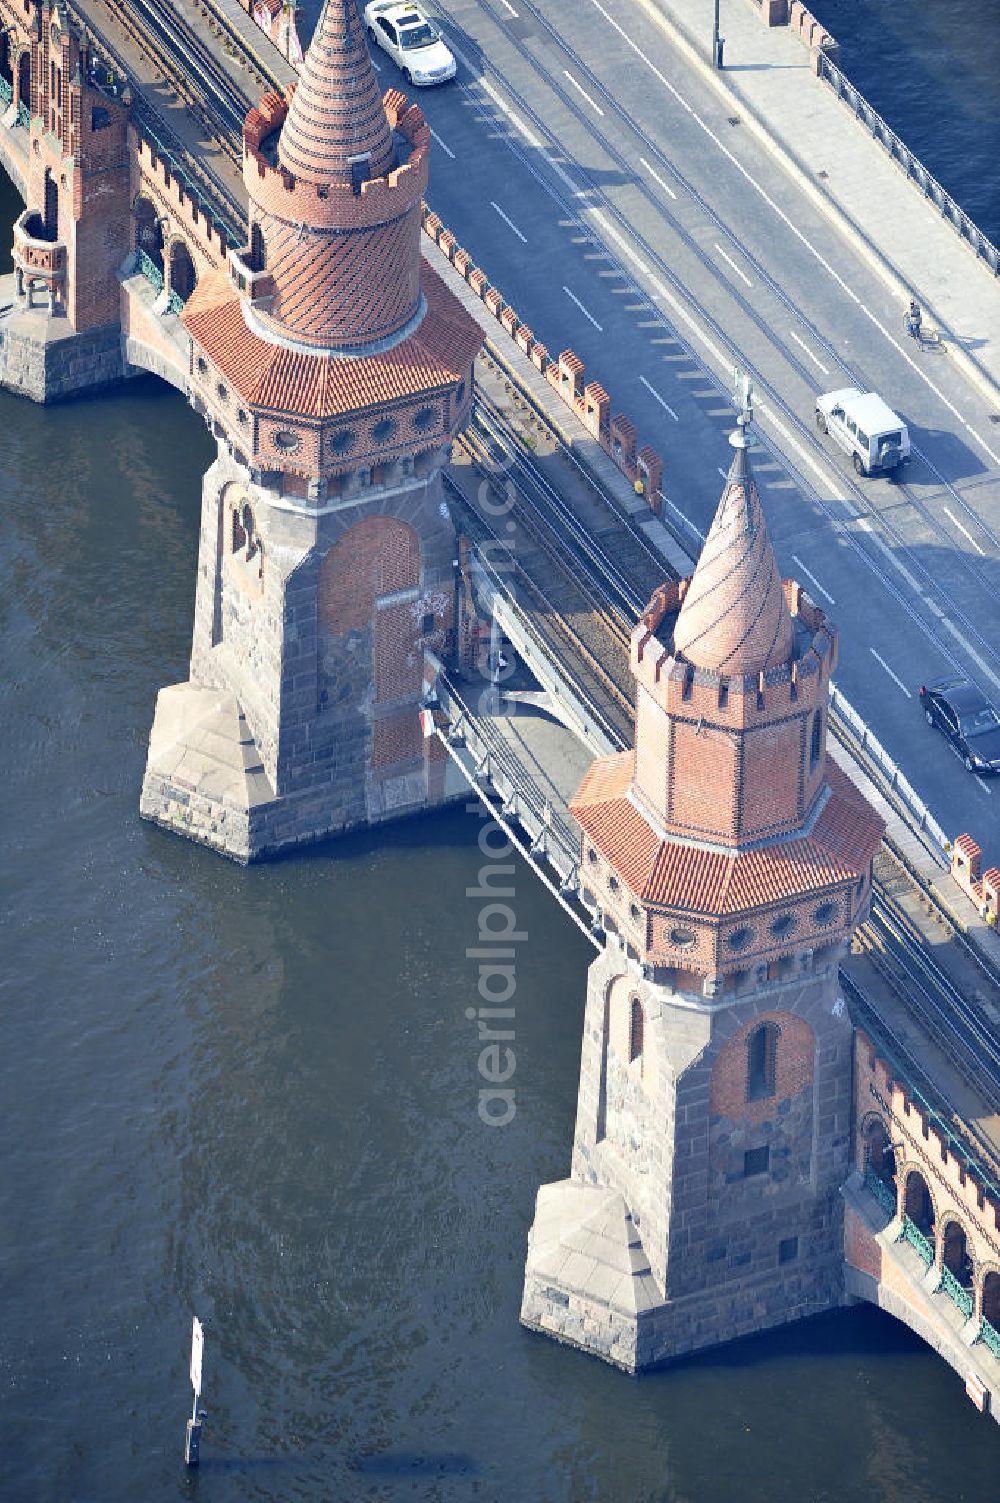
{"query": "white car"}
[(413, 42), (865, 427)]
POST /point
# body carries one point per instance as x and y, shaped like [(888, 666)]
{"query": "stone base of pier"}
[(42, 357), (205, 779), (588, 1284)]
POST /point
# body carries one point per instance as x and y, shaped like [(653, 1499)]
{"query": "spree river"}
[(252, 1095)]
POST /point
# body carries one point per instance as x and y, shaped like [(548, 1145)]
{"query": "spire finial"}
[(743, 402)]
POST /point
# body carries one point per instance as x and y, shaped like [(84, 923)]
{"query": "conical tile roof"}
[(336, 111), (734, 618)]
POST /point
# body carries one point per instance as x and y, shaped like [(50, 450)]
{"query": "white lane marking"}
[(620, 241), (573, 298), (501, 104), (509, 223), (686, 520), (813, 580), (580, 89), (446, 149), (865, 525), (657, 178), (800, 236), (818, 363), (984, 785), (508, 7), (722, 472), (654, 393), (973, 654), (730, 262), (952, 518), (897, 681), (830, 487)]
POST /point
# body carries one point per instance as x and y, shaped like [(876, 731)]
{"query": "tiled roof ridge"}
[(336, 111)]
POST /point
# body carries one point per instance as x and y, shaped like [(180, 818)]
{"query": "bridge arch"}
[(182, 277), (24, 79), (148, 231), (990, 1297), (918, 1203), (955, 1253)]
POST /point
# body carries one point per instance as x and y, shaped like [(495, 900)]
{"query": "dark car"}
[(963, 713)]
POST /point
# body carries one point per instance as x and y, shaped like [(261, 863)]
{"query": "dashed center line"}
[(657, 178), (813, 580), (952, 518), (446, 149), (586, 313), (815, 360), (883, 664), (509, 223), (509, 8), (581, 90), (656, 395), (730, 262), (722, 472)]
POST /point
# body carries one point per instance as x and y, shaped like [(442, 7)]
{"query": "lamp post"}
[(717, 41)]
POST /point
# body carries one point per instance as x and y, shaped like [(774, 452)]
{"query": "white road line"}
[(446, 149), (984, 785), (509, 223), (574, 299), (657, 178), (687, 522), (654, 393), (865, 525), (818, 363), (813, 580), (730, 262), (952, 518), (620, 241), (897, 681), (508, 7), (981, 662), (581, 90), (803, 239), (722, 472), (830, 487)]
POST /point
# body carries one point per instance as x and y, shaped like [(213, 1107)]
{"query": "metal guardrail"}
[(883, 1192), (912, 1234), (990, 1336), (150, 270), (6, 94), (911, 165), (896, 779), (960, 1298)]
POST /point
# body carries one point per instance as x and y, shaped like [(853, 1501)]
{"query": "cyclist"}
[(913, 319)]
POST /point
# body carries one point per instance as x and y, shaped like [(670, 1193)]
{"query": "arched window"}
[(635, 1023), (51, 206), (955, 1254), (182, 273), (918, 1205), (762, 1051), (239, 536), (816, 744), (991, 1299), (258, 250)]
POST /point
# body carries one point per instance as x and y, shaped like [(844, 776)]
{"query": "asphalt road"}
[(625, 215)]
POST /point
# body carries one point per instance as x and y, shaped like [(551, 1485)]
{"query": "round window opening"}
[(634, 912), (425, 418), (613, 884), (592, 856), (825, 913), (342, 441), (202, 365), (223, 393), (783, 925), (681, 939), (286, 440), (740, 938), (242, 418), (383, 431)]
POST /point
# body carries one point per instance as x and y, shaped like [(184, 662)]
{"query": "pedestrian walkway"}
[(768, 73)]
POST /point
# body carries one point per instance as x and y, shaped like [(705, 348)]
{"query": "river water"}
[(252, 1095)]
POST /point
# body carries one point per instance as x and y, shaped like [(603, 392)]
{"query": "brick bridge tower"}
[(731, 861), (334, 368), (62, 334)]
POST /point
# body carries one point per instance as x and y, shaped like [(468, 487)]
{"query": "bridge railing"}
[(912, 1234), (960, 1297), (911, 165), (6, 94), (895, 778)]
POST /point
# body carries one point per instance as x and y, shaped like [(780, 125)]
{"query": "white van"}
[(874, 435)]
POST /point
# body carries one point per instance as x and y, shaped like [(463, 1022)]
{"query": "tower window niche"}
[(635, 1023), (762, 1051), (816, 742)]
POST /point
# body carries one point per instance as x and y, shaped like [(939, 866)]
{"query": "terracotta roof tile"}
[(285, 380), (722, 883)]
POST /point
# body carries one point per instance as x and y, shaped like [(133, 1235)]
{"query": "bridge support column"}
[(300, 718), (692, 1215)]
